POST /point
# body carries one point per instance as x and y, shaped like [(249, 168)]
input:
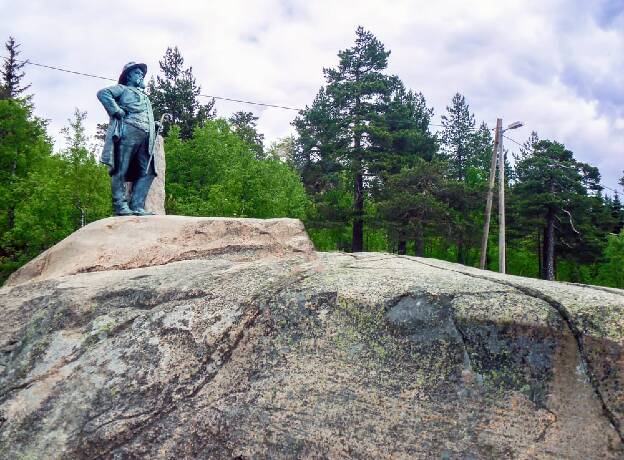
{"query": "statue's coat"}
[(115, 98)]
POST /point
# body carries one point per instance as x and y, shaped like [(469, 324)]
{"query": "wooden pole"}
[(501, 205), (488, 202)]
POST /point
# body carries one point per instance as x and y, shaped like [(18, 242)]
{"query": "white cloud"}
[(557, 65)]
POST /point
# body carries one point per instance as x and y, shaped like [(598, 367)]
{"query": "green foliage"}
[(611, 272), (244, 125), (47, 196), (363, 155), (23, 146), (463, 146), (215, 173), (413, 205)]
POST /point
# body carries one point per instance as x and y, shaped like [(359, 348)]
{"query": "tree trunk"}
[(402, 247), (549, 247), (357, 244), (539, 254), (11, 210), (419, 246), (461, 251), (11, 217), (358, 213)]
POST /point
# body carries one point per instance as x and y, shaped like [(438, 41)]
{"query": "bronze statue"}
[(129, 144)]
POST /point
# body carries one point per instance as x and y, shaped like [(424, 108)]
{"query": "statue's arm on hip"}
[(108, 97)]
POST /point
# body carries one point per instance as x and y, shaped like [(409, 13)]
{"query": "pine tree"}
[(554, 192), (402, 148), (11, 72), (528, 147), (244, 125), (413, 206), (177, 92), (356, 95)]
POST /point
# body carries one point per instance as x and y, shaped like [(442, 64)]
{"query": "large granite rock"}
[(174, 337)]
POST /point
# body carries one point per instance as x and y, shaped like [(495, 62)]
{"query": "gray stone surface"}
[(281, 352), (155, 201)]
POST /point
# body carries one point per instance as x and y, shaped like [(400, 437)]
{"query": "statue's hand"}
[(120, 114)]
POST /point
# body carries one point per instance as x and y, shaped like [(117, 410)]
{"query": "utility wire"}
[(113, 79), (28, 62), (223, 98)]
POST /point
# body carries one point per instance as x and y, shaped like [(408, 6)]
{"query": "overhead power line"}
[(223, 98), (60, 69)]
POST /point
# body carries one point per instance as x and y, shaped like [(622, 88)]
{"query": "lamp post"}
[(496, 155), (501, 197)]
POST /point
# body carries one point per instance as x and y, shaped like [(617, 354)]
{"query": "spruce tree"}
[(467, 150), (11, 72), (176, 92), (457, 137), (617, 212)]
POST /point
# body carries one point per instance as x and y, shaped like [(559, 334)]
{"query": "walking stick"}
[(164, 116)]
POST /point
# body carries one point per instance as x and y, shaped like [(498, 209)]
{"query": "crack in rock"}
[(222, 353), (564, 314)]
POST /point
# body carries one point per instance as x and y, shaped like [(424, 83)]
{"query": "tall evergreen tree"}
[(356, 95), (457, 137), (177, 92), (467, 150), (402, 148), (11, 72), (553, 192), (244, 125), (617, 212)]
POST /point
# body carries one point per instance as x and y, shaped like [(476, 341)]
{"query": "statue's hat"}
[(128, 67)]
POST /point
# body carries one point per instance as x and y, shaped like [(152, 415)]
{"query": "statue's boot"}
[(122, 209), (140, 189)]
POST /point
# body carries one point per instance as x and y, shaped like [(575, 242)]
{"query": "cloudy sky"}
[(556, 65)]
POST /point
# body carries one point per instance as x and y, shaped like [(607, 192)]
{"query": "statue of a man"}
[(129, 143)]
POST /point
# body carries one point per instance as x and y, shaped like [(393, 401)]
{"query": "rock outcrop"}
[(172, 337)]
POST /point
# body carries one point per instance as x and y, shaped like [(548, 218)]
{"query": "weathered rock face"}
[(253, 345)]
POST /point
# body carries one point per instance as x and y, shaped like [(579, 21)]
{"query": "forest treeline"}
[(365, 172)]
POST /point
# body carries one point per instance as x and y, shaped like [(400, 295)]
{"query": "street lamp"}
[(501, 196)]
